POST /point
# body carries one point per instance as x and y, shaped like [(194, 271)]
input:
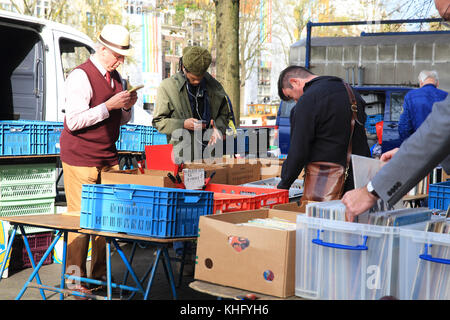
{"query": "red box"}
[(228, 198)]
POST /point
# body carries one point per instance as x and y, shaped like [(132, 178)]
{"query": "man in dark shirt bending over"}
[(320, 122)]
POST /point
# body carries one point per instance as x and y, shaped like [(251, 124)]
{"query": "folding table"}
[(63, 224)]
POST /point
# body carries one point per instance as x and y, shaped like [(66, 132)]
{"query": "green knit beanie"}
[(196, 60)]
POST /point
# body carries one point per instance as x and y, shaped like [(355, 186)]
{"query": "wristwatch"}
[(126, 110), (371, 189)]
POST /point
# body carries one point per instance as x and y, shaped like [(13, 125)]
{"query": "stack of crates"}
[(27, 189), (371, 121)]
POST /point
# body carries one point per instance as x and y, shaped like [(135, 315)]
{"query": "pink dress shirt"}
[(78, 94)]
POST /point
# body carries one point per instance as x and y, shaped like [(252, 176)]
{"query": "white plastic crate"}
[(425, 265), (296, 189), (343, 260)]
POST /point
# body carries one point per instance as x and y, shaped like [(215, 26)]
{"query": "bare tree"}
[(250, 42), (227, 29)]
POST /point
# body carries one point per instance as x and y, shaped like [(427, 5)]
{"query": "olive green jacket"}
[(172, 105)]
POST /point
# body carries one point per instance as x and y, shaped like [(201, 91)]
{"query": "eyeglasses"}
[(116, 55)]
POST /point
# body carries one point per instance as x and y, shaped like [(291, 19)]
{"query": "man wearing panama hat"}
[(96, 106)]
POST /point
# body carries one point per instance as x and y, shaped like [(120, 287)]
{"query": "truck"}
[(381, 66), (36, 56)]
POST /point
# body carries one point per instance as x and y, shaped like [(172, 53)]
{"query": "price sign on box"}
[(194, 178)]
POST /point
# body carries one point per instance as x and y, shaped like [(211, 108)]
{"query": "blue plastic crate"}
[(134, 137), (159, 138), (144, 210), (29, 137), (439, 195), (373, 119)]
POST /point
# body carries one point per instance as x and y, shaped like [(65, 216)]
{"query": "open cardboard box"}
[(247, 257), (293, 206), (238, 171), (157, 178)]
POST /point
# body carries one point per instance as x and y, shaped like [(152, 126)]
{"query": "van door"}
[(27, 82), (22, 78)]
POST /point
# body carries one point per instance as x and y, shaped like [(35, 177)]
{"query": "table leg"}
[(8, 251), (152, 276), (183, 258), (166, 262), (130, 259), (63, 266), (130, 269), (30, 255), (49, 250), (108, 269)]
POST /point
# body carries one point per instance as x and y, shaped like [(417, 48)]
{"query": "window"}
[(72, 54), (396, 105)]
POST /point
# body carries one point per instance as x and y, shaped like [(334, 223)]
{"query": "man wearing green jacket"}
[(192, 107)]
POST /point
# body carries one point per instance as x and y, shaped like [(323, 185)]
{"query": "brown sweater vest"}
[(94, 146)]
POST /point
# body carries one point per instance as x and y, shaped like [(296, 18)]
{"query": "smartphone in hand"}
[(132, 89)]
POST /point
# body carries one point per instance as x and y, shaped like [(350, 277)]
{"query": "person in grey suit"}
[(417, 156), (423, 151)]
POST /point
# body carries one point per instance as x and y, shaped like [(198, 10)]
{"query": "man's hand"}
[(193, 124), (123, 99), (358, 201), (215, 136), (385, 157)]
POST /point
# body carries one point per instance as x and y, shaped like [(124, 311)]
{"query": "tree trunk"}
[(227, 56)]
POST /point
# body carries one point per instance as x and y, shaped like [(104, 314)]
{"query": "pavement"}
[(161, 290)]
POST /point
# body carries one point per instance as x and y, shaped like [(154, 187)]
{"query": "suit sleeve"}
[(424, 150)]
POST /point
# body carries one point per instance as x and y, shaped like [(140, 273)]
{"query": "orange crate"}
[(224, 202), (255, 197)]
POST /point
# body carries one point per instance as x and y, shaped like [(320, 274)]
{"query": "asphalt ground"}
[(143, 258)]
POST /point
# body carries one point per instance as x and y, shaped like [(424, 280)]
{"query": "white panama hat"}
[(116, 38)]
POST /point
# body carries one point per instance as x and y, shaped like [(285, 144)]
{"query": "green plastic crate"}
[(27, 181), (27, 173), (26, 207)]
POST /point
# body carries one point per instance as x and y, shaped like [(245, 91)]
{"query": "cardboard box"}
[(237, 171), (220, 176), (272, 168), (242, 171), (266, 265), (293, 206), (134, 176)]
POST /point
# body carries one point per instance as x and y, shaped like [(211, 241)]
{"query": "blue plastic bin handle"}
[(429, 257), (123, 194), (359, 247), (191, 199), (16, 129)]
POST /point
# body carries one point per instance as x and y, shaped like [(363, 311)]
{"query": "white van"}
[(36, 55)]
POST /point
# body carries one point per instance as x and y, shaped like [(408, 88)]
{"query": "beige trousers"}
[(78, 244)]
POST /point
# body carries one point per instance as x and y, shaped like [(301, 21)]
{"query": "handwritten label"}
[(194, 178)]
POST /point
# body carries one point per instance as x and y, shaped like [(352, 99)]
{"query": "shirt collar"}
[(98, 65)]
